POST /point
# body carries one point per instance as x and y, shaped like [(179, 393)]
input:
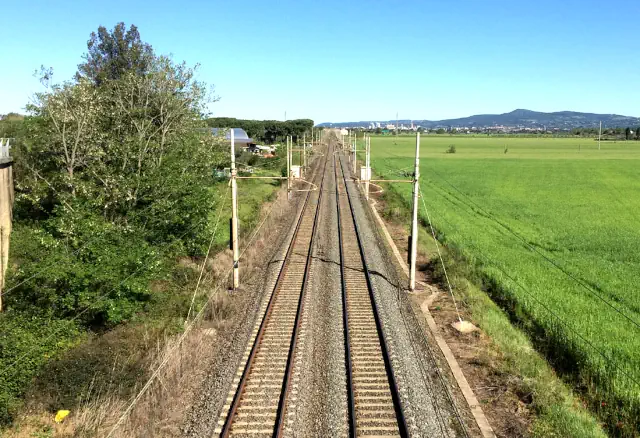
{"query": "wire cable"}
[(566, 325), (188, 328), (444, 269), (100, 298), (544, 256), (206, 258)]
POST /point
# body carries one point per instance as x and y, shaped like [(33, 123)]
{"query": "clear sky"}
[(355, 60)]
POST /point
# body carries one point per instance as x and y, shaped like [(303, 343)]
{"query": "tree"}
[(627, 133), (638, 133), (111, 54), (66, 137)]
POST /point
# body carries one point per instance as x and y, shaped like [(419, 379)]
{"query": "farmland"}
[(551, 227)]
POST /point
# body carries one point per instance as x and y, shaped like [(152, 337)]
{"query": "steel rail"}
[(345, 320), (294, 336), (395, 394), (226, 430)]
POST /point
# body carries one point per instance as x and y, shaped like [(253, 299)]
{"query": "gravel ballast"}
[(318, 399), (426, 403)]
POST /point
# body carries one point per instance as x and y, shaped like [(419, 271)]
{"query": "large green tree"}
[(120, 159)]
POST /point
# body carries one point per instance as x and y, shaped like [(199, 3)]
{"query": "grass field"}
[(552, 227)]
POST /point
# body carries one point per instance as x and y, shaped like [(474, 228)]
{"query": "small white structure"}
[(5, 148), (344, 131), (295, 172), (365, 173)]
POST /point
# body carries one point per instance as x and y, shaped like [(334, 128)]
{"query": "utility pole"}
[(367, 146), (234, 214), (6, 208), (414, 222), (288, 168), (599, 135), (355, 157), (304, 151)]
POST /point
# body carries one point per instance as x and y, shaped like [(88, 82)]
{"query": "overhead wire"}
[(74, 253), (532, 248), (550, 311), (101, 297), (188, 328), (444, 268), (206, 258), (564, 323)]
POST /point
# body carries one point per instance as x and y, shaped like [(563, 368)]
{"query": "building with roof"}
[(240, 136)]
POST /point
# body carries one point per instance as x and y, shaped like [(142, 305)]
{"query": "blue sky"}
[(355, 60)]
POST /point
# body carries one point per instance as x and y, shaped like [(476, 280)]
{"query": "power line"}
[(550, 311), (444, 269), (99, 299), (562, 321), (204, 262), (78, 250), (532, 248), (184, 334), (537, 300)]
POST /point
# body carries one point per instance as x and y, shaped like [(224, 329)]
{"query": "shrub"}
[(93, 271), (26, 343), (452, 149)]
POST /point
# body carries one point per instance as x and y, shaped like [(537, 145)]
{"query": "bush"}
[(452, 149), (27, 342), (94, 271)]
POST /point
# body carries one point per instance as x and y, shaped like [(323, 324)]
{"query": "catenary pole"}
[(599, 135), (414, 220), (355, 157), (367, 165), (288, 167), (234, 214), (304, 151)]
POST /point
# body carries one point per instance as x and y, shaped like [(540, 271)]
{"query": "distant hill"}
[(518, 118)]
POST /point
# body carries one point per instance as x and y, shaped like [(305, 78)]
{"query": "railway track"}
[(257, 405), (373, 398)]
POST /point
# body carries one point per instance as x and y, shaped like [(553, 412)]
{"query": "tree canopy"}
[(111, 54), (268, 131)]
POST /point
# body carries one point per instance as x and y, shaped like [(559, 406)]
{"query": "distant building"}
[(240, 136), (265, 151)]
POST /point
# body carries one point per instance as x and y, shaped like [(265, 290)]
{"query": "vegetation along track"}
[(374, 401), (257, 408)]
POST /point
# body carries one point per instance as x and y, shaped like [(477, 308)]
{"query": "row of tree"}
[(627, 133), (265, 131)]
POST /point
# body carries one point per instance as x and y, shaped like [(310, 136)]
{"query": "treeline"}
[(266, 131), (627, 133), (113, 182)]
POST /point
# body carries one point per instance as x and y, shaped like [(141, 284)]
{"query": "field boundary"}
[(461, 380)]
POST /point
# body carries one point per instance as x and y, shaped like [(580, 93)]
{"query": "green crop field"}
[(553, 226)]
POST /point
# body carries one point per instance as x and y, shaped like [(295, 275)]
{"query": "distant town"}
[(517, 121)]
